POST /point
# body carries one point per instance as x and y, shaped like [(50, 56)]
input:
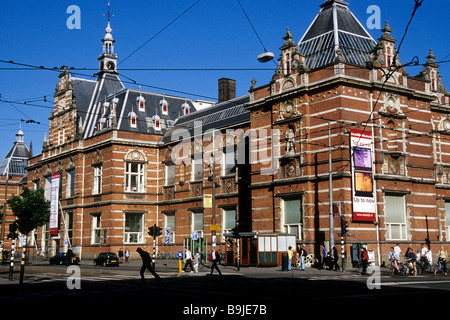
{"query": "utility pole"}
[(330, 187)]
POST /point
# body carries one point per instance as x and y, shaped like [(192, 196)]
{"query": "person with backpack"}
[(214, 257)]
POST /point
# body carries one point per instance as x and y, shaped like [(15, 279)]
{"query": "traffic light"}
[(158, 231), (344, 227), (151, 231), (235, 231), (12, 231)]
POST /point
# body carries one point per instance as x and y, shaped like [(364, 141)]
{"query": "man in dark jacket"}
[(214, 257), (146, 264)]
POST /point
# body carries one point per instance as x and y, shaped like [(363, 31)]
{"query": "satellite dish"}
[(265, 57)]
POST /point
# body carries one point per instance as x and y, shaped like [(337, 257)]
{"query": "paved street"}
[(234, 293)]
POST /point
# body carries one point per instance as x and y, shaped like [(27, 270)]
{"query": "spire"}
[(108, 60), (16, 160)]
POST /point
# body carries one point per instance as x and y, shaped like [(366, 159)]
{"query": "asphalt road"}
[(250, 293)]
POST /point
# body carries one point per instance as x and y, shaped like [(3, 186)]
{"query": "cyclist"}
[(411, 259), (423, 257), (442, 256), (394, 261)]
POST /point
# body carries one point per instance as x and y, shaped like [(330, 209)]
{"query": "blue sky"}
[(213, 34)]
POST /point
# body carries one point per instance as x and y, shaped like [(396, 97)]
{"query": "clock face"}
[(110, 65)]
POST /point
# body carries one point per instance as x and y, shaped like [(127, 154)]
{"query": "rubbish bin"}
[(284, 262)]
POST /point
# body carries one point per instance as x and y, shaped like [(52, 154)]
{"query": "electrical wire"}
[(154, 36)]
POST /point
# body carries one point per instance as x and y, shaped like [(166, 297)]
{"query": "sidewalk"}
[(165, 268)]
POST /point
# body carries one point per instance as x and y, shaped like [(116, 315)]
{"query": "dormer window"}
[(164, 106), (133, 119), (156, 123), (140, 103), (105, 106), (114, 103), (185, 109)]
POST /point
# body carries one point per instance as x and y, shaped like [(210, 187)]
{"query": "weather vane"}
[(108, 14)]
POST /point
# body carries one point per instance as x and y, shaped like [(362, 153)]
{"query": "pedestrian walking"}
[(196, 260), (324, 257), (335, 259), (127, 254), (121, 255), (364, 260), (214, 257), (146, 264), (188, 259)]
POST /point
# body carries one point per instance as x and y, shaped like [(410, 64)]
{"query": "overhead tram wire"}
[(254, 30), (164, 28)]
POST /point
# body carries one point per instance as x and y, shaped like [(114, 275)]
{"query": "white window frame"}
[(98, 179), (138, 175), (225, 218), (194, 174), (70, 183), (134, 236), (195, 227), (96, 235), (288, 227), (228, 155), (399, 226), (167, 168), (168, 216), (447, 219)]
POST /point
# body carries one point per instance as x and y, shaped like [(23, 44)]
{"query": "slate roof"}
[(222, 115), (91, 94), (16, 161), (335, 27)]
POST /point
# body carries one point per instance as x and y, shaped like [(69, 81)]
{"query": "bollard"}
[(179, 266)]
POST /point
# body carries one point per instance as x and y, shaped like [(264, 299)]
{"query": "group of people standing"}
[(412, 258)]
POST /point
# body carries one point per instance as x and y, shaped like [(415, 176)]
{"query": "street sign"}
[(215, 227), (167, 231), (194, 235), (180, 254), (166, 240), (207, 200)]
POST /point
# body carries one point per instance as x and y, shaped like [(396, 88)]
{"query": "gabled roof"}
[(335, 27)]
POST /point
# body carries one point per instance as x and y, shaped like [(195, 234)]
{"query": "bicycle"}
[(439, 266), (422, 265), (406, 268)]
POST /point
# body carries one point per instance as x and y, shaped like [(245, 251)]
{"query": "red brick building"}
[(130, 159)]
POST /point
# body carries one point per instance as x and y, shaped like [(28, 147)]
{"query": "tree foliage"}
[(30, 208)]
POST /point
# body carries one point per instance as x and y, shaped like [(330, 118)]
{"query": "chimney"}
[(227, 89)]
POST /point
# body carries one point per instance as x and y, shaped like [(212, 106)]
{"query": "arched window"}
[(185, 109), (140, 103), (133, 119)]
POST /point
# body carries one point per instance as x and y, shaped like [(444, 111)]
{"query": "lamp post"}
[(330, 169)]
